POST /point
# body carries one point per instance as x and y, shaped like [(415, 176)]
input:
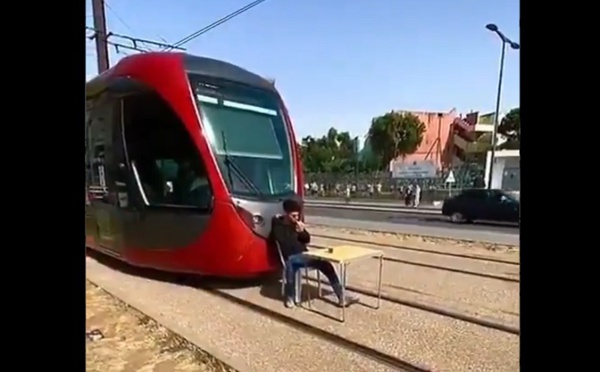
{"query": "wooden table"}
[(342, 256)]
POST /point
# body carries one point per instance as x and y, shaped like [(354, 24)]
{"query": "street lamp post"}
[(505, 40), (356, 159)]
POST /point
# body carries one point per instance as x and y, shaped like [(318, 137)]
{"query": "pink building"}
[(473, 136), (437, 143)]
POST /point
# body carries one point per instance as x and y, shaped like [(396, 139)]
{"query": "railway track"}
[(413, 249), (482, 310), (350, 345), (371, 244), (438, 310), (220, 288), (486, 241)]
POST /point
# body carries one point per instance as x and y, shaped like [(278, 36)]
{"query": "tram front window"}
[(248, 134)]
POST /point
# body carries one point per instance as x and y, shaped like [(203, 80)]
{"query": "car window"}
[(474, 194), (499, 196)]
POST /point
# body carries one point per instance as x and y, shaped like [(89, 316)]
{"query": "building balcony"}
[(470, 147)]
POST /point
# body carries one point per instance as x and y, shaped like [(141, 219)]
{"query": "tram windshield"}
[(248, 134)]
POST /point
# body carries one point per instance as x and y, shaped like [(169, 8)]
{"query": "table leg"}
[(318, 284), (343, 284), (306, 278), (379, 282)]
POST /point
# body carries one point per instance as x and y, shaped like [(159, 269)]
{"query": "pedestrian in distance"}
[(417, 195)]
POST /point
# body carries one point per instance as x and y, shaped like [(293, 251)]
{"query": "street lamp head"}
[(492, 27), (514, 45)]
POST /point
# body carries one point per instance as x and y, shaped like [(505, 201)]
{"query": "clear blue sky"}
[(342, 62)]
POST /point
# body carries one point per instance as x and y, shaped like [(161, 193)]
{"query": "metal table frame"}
[(343, 269)]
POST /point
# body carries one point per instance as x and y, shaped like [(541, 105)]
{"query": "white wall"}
[(497, 172), (502, 159)]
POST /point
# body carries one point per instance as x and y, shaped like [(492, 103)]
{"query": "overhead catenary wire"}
[(135, 41), (216, 23), (119, 47), (124, 23), (101, 35), (117, 16), (141, 45)]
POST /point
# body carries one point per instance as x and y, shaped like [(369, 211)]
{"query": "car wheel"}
[(457, 217)]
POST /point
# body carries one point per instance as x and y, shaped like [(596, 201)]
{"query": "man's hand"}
[(300, 226)]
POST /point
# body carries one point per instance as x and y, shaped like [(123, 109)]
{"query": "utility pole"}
[(356, 159), (505, 40), (99, 15)]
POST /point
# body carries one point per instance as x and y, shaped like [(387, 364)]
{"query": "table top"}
[(343, 253)]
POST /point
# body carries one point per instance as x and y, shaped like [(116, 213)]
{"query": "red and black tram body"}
[(187, 160)]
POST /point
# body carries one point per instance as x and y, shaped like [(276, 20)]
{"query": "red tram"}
[(187, 160)]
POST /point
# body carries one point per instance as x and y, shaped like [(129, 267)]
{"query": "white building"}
[(506, 174)]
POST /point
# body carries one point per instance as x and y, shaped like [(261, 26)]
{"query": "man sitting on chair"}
[(291, 235)]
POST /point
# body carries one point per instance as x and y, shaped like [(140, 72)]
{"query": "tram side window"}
[(163, 157), (95, 154)]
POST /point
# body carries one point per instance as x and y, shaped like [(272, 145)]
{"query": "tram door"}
[(103, 201)]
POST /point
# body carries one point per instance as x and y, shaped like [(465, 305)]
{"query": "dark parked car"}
[(482, 205)]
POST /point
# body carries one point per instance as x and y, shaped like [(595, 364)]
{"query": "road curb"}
[(215, 358)]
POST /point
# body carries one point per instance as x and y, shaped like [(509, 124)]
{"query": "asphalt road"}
[(407, 218)]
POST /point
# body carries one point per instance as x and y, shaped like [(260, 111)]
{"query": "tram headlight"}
[(251, 220), (258, 220), (246, 216)]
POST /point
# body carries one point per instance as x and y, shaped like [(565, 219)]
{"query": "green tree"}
[(334, 152), (510, 127), (395, 134), (370, 164), (369, 161)]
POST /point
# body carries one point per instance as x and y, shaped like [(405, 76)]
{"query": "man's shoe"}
[(349, 300), (289, 303)]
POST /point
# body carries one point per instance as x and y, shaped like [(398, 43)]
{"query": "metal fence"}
[(380, 185)]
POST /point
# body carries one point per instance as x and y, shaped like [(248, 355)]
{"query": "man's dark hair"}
[(292, 205)]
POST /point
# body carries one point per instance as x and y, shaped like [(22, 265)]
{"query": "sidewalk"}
[(370, 202)]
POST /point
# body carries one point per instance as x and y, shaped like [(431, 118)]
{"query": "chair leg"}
[(283, 284), (298, 286), (319, 284)]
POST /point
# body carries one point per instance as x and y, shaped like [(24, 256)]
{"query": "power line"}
[(124, 23), (217, 23), (100, 35), (117, 16), (120, 46), (136, 43)]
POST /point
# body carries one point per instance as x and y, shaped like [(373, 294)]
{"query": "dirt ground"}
[(120, 339)]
